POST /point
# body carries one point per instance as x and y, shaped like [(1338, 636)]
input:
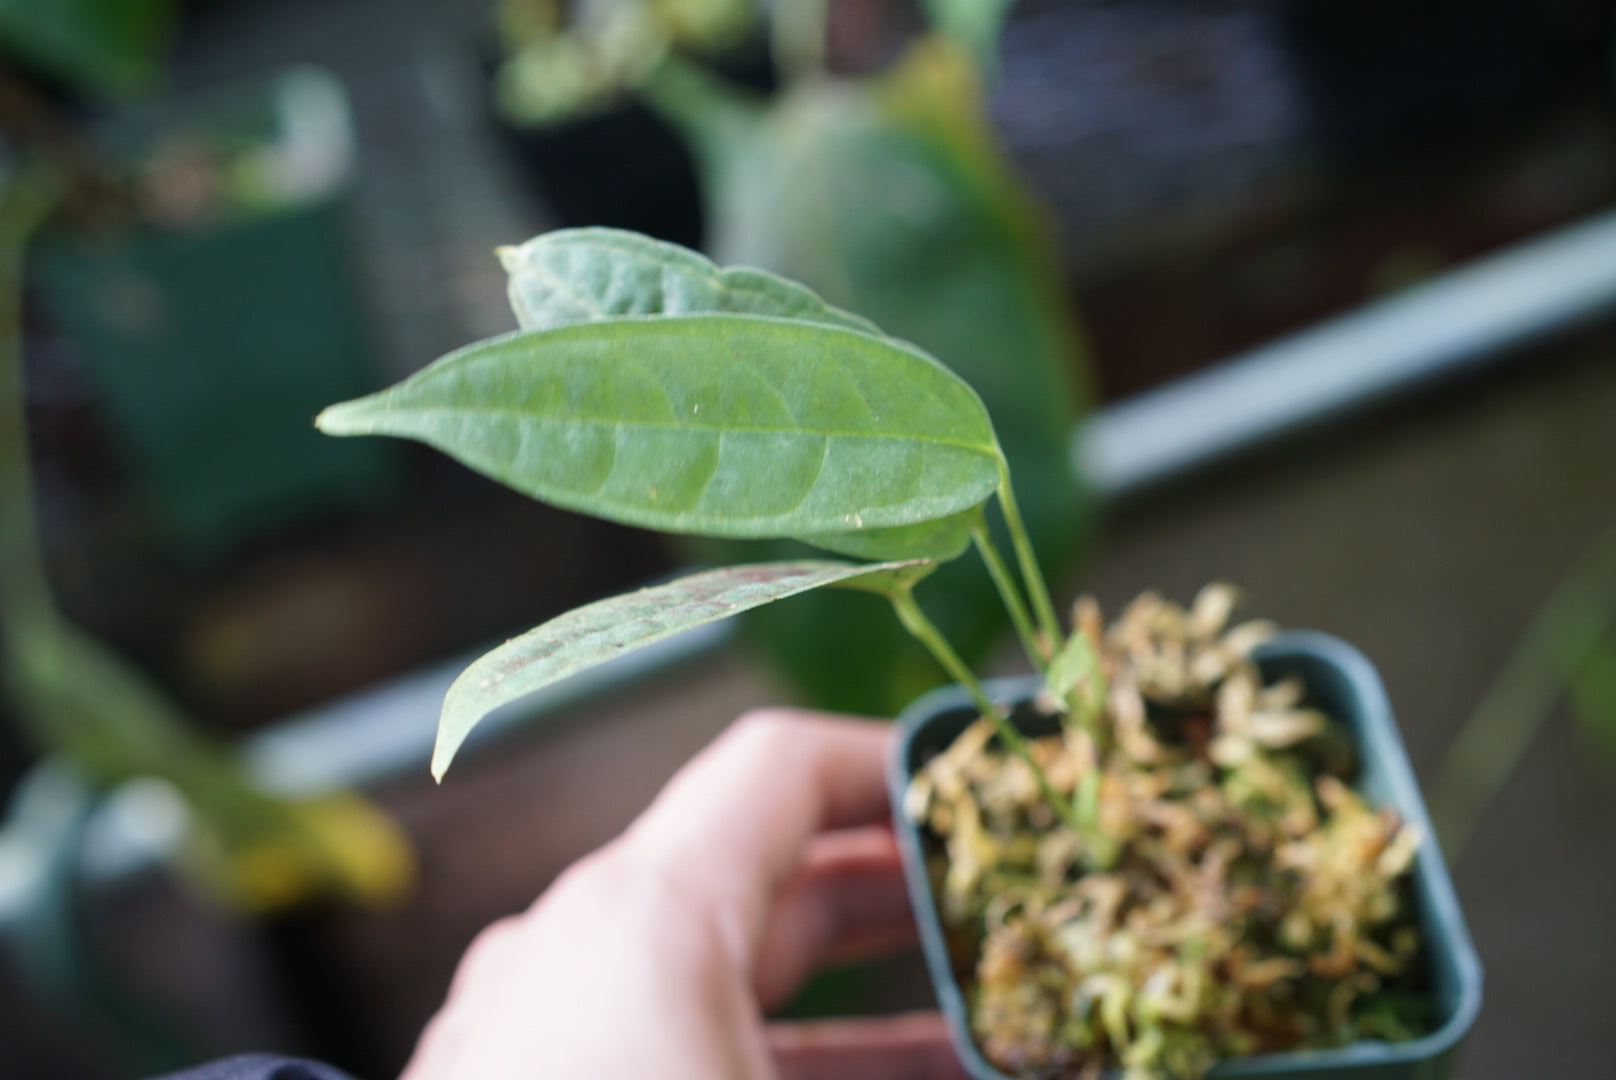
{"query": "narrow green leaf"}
[(717, 425), (580, 275), (607, 629)]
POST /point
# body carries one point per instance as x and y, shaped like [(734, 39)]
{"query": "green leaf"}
[(940, 539), (580, 275), (717, 425), (607, 629)]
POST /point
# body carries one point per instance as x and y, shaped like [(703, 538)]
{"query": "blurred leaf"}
[(85, 704), (257, 852), (106, 47), (974, 24), (564, 61), (1593, 695), (596, 633), (719, 425), (1077, 664), (1567, 635), (892, 200)]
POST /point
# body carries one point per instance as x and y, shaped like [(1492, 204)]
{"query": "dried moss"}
[(1232, 894)]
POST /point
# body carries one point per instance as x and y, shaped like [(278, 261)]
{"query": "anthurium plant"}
[(1180, 802), (872, 173), (652, 388)]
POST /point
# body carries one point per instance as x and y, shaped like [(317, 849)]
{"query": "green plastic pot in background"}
[(211, 340), (1342, 682)]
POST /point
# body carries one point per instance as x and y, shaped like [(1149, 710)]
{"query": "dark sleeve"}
[(260, 1067)]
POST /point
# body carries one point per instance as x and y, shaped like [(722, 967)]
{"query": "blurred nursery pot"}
[(217, 312), (1342, 683)]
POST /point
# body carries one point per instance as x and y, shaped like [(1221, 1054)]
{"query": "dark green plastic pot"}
[(1342, 682)]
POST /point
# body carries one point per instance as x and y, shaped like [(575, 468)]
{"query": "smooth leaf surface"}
[(940, 539), (580, 275), (716, 425), (607, 629)]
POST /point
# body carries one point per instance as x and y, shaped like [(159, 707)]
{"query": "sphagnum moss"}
[(1245, 898)]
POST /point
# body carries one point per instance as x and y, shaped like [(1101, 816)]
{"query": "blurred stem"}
[(1028, 561), (914, 620), (1558, 642), (26, 201), (1011, 595)]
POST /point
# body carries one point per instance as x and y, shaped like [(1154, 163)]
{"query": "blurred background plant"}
[(103, 722)]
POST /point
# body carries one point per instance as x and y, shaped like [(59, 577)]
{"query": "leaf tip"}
[(509, 256), (442, 755), (341, 418)]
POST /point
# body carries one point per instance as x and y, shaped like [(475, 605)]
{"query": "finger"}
[(729, 828), (911, 1047), (846, 902)]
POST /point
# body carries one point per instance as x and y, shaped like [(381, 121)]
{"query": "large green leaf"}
[(606, 629), (716, 425), (579, 275)]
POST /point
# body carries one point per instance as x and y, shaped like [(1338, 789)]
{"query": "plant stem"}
[(1561, 637), (914, 620), (1013, 603), (1030, 572)]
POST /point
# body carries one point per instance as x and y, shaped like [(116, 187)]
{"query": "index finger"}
[(731, 825)]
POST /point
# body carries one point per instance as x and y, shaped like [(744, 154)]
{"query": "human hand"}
[(658, 955)]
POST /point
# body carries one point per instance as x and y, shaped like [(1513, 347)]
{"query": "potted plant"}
[(1316, 931), (1164, 759)]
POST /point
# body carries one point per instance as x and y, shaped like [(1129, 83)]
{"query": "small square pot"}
[(1343, 683)]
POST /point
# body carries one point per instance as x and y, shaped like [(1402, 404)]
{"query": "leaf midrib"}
[(982, 448)]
